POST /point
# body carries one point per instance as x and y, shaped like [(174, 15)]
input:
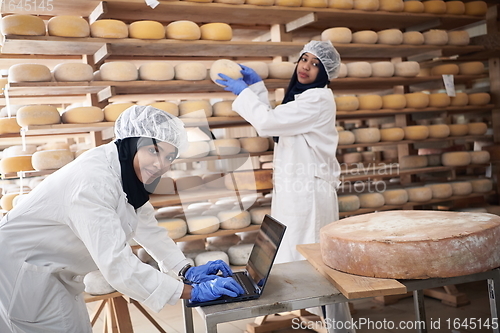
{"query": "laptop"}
[(254, 277)]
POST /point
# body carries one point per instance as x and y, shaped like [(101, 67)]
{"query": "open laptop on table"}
[(254, 277)]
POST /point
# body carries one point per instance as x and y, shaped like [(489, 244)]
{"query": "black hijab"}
[(137, 192)]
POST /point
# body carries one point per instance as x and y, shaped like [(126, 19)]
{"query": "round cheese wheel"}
[(224, 147), (222, 243), (440, 191), (168, 212), (413, 37), (419, 194), (51, 159), (370, 102), (146, 30), (176, 227), (239, 254), (195, 109), (68, 26), (15, 164), (439, 100), (351, 158), (455, 7), (254, 145), (346, 137), (479, 157), (434, 7), (29, 73), (337, 35), (394, 101), (195, 149), (250, 180), (455, 158), (460, 99), (479, 99), (168, 107), (24, 25), (458, 129), (342, 71), (392, 134), (183, 30), (348, 203), (281, 70), (166, 185), (364, 37), (119, 71), (73, 72), (226, 67), (439, 131), (481, 185), (435, 37), (340, 4), (477, 128), (476, 8), (371, 200), (390, 37), (395, 197), (366, 135), (190, 71), (359, 69), (82, 115), (413, 7), (406, 69), (7, 201), (260, 2), (451, 69), (416, 132), (424, 72), (18, 150), (224, 109), (156, 71), (38, 115), (9, 125), (459, 38), (417, 100), (188, 183), (260, 67), (471, 68), (368, 5), (391, 5), (108, 28), (257, 214), (461, 188), (288, 3), (382, 69), (413, 162), (113, 111), (216, 31), (234, 219), (204, 257), (347, 103)]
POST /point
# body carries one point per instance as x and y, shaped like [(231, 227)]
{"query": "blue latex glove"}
[(249, 75), (208, 271), (215, 288), (232, 85)]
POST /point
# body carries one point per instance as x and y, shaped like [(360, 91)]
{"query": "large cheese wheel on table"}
[(412, 244)]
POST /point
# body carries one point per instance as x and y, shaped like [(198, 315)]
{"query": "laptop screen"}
[(264, 250)]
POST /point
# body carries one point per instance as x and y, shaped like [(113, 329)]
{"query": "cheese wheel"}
[(439, 131), (417, 100), (216, 31), (416, 132), (224, 109), (455, 158), (254, 145), (440, 191), (364, 37), (434, 7), (342, 71), (455, 7), (108, 28), (176, 227), (146, 30), (471, 68), (239, 254), (461, 188), (195, 109), (413, 7), (479, 99), (477, 128), (390, 37), (260, 67), (82, 115), (481, 185), (226, 67), (29, 73), (249, 180), (413, 161), (451, 69), (9, 125), (406, 69), (260, 2), (348, 203), (413, 37), (424, 72), (394, 101), (435, 36), (68, 26), (391, 5), (359, 69), (156, 71), (38, 115), (460, 99), (476, 8), (347, 103), (190, 71), (395, 197), (346, 137), (222, 243), (368, 5), (459, 38), (479, 157), (113, 111), (371, 200), (281, 70), (419, 194), (370, 102), (337, 35), (18, 150), (195, 149), (73, 72), (6, 201), (119, 71), (351, 158), (257, 214), (215, 180), (168, 212), (458, 129), (166, 185), (204, 257), (234, 219), (15, 164), (224, 147), (439, 100), (382, 69), (24, 25), (288, 3), (188, 183), (392, 134), (51, 159), (182, 30), (366, 135), (315, 3), (339, 4)]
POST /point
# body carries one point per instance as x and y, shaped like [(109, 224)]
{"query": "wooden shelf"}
[(68, 128), (26, 174), (220, 232)]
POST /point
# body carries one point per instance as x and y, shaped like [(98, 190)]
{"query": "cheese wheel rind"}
[(24, 25), (51, 159), (38, 115), (68, 26), (108, 28), (82, 115)]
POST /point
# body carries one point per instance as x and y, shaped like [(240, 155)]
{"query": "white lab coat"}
[(76, 221)]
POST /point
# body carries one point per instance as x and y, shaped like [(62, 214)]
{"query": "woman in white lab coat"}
[(80, 219), (306, 171)]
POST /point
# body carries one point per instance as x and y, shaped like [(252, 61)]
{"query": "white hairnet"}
[(327, 54), (150, 122)]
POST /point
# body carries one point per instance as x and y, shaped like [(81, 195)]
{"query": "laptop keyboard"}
[(238, 279)]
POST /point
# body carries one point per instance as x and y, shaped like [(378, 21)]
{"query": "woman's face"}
[(307, 68), (152, 161)]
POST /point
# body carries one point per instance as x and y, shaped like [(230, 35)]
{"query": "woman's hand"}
[(232, 85), (249, 75), (208, 271), (215, 288)]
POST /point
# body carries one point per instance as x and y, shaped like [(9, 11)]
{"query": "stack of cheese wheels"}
[(481, 185), (348, 203), (371, 200), (166, 185), (458, 38), (224, 109), (216, 31), (364, 37), (51, 159), (368, 5), (249, 180), (73, 72), (118, 71), (183, 30), (195, 109), (440, 191), (458, 129), (417, 100), (260, 67), (281, 70), (108, 28), (190, 71), (406, 69), (205, 257), (226, 67), (224, 147), (82, 115), (395, 196), (24, 25), (392, 134), (455, 158), (113, 111), (9, 125), (346, 138), (390, 37), (439, 131), (382, 69), (254, 144), (146, 30), (413, 244), (38, 115), (471, 68), (176, 227), (413, 162), (479, 99), (196, 149), (477, 128), (413, 7), (29, 73), (347, 103), (188, 183), (435, 37), (366, 135), (455, 7), (370, 102), (461, 188), (394, 101), (156, 71), (239, 254), (413, 37), (337, 35), (359, 69), (476, 8), (416, 132), (234, 219), (68, 26), (202, 225), (168, 107), (257, 214)]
